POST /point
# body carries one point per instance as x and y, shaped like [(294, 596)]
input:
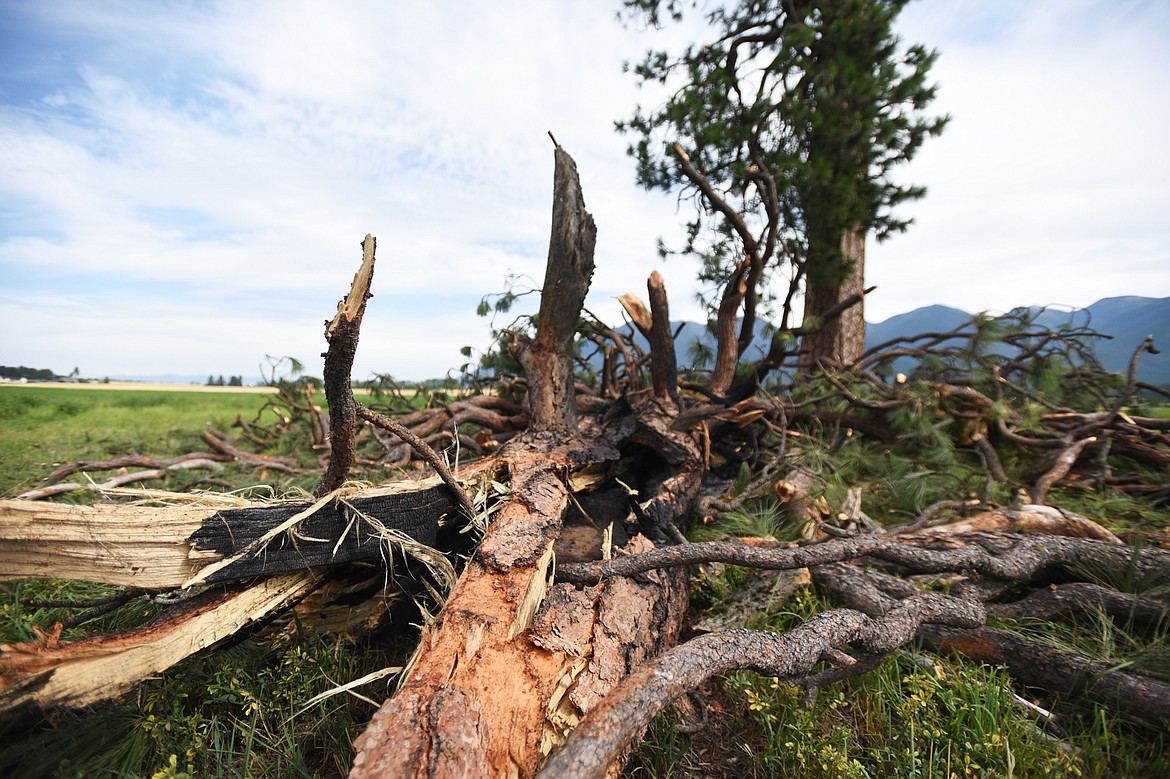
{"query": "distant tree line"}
[(32, 374), (217, 381)]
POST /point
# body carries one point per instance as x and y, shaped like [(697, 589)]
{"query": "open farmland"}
[(42, 425)]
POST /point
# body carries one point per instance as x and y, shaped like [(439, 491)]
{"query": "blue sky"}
[(184, 185)]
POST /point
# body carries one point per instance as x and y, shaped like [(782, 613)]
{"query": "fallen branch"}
[(1063, 600), (39, 675), (594, 746), (155, 547), (113, 482), (424, 450), (1058, 671), (221, 443), (342, 335), (1005, 557), (130, 461)]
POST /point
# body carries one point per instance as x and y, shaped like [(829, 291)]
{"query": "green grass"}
[(233, 712), (42, 427), (918, 715)]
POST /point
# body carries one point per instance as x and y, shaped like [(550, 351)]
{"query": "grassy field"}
[(236, 712), (232, 713), (43, 426)]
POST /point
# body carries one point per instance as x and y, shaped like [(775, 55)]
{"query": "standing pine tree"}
[(785, 130)]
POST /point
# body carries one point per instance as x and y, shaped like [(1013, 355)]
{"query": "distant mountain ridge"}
[(1127, 319)]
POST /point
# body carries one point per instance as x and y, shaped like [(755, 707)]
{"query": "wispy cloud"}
[(183, 186), (1047, 186)]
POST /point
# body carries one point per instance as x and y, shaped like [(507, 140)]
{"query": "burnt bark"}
[(342, 334)]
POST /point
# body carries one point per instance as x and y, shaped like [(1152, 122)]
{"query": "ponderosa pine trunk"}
[(841, 339)]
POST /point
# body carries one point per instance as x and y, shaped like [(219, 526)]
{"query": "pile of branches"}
[(531, 664)]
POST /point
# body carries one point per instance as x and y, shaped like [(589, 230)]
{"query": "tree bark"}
[(566, 280), (510, 665), (838, 340), (663, 360), (342, 335)]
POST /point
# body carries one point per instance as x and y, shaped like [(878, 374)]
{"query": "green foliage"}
[(901, 720), (497, 363), (796, 115), (18, 623), (21, 372), (234, 713)]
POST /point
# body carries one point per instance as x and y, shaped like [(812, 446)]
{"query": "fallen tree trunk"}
[(498, 681), (166, 547), (37, 676)]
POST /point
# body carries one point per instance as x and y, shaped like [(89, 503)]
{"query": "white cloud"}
[(1047, 186), (231, 156)]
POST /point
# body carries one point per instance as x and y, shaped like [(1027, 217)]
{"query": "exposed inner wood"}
[(159, 547), (45, 673)]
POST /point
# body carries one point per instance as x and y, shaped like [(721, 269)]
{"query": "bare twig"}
[(342, 335), (424, 451)]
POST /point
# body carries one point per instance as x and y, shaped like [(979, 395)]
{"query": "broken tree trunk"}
[(40, 675), (167, 547), (509, 666), (566, 280), (342, 335)]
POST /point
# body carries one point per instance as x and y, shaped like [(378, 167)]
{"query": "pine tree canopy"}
[(784, 129)]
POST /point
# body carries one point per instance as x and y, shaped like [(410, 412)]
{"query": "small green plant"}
[(234, 713)]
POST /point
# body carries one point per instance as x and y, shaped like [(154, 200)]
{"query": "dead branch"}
[(1058, 671), (342, 334), (1005, 557), (425, 451), (1040, 520), (129, 461), (113, 482), (727, 349), (221, 442), (1062, 600), (1060, 468), (594, 746)]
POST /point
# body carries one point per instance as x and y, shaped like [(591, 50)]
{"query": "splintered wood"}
[(46, 673)]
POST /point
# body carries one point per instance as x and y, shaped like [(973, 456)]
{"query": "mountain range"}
[(1128, 320)]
